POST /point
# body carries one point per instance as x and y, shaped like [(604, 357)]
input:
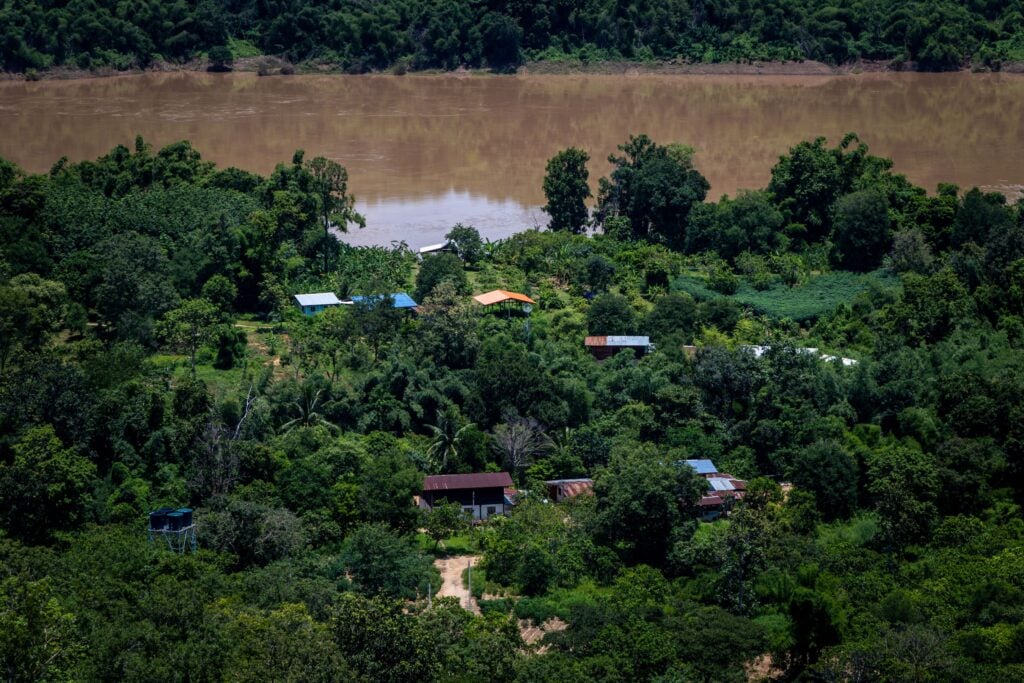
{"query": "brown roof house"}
[(562, 489), (480, 495), (602, 347)]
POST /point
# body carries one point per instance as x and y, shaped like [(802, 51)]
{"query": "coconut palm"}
[(308, 408), (446, 437)]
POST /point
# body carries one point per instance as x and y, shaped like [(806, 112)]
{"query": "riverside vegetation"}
[(150, 355), (428, 34)]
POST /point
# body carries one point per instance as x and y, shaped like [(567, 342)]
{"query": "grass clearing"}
[(818, 296), (463, 544)]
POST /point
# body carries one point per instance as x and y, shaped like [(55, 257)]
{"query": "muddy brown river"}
[(427, 151)]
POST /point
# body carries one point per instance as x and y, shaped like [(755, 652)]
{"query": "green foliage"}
[(896, 554), (45, 488), (817, 297), (828, 471), (230, 344), (749, 223), (220, 58), (37, 636), (189, 326), (389, 483), (655, 187), (467, 243), (380, 562), (611, 314), (941, 36), (723, 280), (542, 546), (566, 189), (445, 520), (862, 229), (285, 644), (31, 309), (254, 532), (437, 269), (328, 182), (640, 502)]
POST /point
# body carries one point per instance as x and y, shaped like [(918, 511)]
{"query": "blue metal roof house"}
[(399, 300), (702, 467), (311, 304)]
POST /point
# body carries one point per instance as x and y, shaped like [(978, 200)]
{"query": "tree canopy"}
[(844, 347)]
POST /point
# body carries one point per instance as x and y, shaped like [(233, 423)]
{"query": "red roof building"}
[(481, 494), (561, 489)]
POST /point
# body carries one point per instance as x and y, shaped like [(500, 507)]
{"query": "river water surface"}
[(424, 152)]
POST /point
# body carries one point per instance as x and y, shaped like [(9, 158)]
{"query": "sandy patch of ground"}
[(762, 669), (451, 569), (533, 634), (1013, 193)]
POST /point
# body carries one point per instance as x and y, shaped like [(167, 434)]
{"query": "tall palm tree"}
[(308, 409), (446, 437)]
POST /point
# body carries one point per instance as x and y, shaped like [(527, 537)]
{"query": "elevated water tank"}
[(175, 521), (158, 519), (186, 514)]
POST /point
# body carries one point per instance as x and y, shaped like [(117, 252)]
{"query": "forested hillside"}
[(151, 354), (446, 34)]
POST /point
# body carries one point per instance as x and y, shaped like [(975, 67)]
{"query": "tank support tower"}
[(176, 527)]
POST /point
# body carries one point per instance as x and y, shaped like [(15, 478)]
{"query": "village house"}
[(398, 300), (311, 304), (722, 489), (481, 495), (603, 347), (563, 489)]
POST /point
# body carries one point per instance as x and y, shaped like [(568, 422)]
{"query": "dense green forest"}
[(445, 34), (150, 354)]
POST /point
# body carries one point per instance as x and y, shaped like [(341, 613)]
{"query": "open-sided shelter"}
[(503, 300)]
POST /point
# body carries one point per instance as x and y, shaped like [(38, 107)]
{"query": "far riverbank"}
[(275, 66)]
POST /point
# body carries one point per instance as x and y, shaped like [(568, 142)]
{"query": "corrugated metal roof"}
[(759, 351), (400, 299), (702, 466), (720, 484), (440, 246), (710, 501), (318, 299), (478, 480), (576, 488), (617, 340), (500, 296)]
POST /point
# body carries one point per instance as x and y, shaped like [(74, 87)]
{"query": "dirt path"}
[(451, 580), (533, 634)]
